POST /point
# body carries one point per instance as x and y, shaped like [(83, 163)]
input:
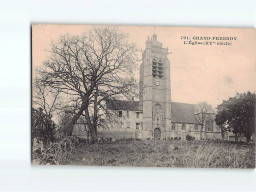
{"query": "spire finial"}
[(154, 35)]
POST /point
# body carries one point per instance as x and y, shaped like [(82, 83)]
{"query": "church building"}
[(155, 116)]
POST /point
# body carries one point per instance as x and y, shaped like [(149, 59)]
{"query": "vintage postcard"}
[(143, 96)]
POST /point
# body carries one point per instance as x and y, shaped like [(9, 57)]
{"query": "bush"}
[(189, 138), (55, 153), (43, 128)]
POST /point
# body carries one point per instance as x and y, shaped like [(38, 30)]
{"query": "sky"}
[(210, 73)]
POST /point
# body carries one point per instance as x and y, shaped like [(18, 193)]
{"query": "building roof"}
[(180, 112), (123, 105), (183, 112)]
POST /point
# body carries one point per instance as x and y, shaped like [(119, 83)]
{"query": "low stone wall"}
[(196, 134), (116, 134), (79, 131), (213, 135)]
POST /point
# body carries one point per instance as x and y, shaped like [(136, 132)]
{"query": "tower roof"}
[(153, 42), (154, 37)]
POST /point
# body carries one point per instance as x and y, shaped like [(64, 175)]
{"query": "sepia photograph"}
[(143, 96)]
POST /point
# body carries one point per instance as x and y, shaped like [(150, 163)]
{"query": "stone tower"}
[(155, 93)]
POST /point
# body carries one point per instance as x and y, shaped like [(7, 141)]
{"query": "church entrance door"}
[(157, 133)]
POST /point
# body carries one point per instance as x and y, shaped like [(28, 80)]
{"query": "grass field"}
[(169, 153)]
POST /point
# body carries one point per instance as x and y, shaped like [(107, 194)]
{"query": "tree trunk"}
[(69, 127), (222, 133), (236, 137), (90, 125), (95, 114), (248, 137), (201, 132), (93, 134)]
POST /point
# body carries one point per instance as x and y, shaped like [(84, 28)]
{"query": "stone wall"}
[(116, 134)]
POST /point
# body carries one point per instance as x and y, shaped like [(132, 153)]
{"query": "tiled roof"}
[(180, 112), (183, 112), (123, 105)]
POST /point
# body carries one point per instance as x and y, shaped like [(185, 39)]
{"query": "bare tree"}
[(93, 67), (45, 97), (204, 112)]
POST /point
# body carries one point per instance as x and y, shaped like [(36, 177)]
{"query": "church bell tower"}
[(155, 93)]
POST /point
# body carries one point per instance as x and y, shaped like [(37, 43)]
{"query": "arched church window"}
[(154, 68), (160, 70), (157, 68), (157, 108), (209, 126), (173, 126), (183, 126)]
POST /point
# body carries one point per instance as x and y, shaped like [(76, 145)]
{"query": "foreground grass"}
[(173, 153)]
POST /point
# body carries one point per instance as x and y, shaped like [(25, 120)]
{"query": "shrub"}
[(189, 138), (43, 128), (55, 153)]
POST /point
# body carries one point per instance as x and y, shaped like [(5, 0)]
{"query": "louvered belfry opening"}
[(157, 69)]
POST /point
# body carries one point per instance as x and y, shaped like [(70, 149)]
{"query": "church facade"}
[(155, 116)]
